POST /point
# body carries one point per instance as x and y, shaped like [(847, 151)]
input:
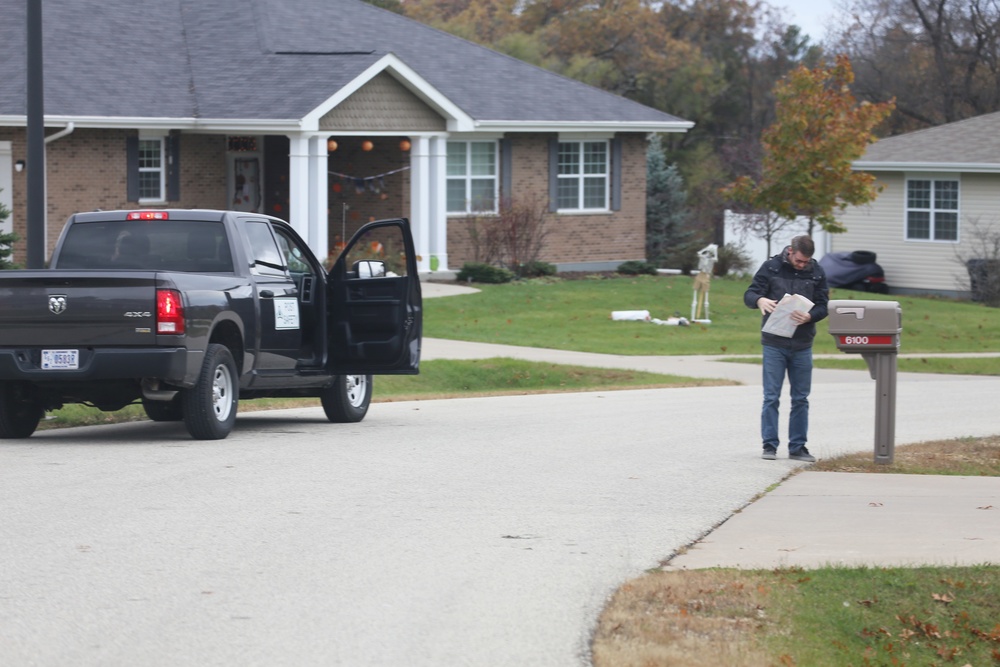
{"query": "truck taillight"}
[(169, 312), (148, 215)]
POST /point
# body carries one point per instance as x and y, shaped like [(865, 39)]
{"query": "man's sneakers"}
[(802, 455)]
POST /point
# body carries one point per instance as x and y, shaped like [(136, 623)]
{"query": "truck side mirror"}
[(369, 268)]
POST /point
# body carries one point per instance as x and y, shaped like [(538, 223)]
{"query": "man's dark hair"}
[(804, 245)]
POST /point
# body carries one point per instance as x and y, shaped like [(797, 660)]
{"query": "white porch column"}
[(318, 198), (439, 203), (420, 200), (298, 184)]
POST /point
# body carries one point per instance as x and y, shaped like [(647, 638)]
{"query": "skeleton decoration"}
[(707, 257)]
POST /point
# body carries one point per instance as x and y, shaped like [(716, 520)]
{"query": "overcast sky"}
[(810, 15)]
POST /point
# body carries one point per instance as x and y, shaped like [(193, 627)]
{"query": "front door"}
[(375, 312), (244, 174)]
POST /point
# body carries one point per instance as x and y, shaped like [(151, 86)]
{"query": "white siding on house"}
[(756, 248), (931, 266)]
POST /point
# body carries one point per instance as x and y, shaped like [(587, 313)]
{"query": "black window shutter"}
[(132, 167), (174, 166), (553, 175), (616, 174), (506, 172)]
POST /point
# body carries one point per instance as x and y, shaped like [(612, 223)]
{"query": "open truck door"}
[(374, 305)]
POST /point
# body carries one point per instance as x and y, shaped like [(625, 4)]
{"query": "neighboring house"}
[(940, 183), (327, 113)]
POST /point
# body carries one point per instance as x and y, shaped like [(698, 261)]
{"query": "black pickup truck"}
[(189, 311)]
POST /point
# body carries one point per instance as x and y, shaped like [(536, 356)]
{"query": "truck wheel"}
[(163, 411), (19, 414), (346, 400), (209, 408)]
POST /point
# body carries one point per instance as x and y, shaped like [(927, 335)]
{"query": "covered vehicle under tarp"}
[(854, 271)]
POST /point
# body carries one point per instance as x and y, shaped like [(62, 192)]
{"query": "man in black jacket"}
[(793, 271)]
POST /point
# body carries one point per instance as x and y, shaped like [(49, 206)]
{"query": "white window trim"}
[(161, 137), (932, 177), (580, 141), (467, 178)]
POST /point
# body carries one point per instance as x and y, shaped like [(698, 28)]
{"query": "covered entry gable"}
[(391, 94), (383, 105), (387, 99)]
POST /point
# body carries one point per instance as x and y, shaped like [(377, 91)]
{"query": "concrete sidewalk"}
[(812, 519), (815, 519)]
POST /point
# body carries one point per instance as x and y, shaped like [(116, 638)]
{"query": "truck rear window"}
[(155, 245)]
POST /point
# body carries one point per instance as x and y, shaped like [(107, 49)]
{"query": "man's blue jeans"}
[(798, 366)]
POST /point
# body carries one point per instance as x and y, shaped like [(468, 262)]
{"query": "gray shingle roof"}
[(269, 59), (969, 144)]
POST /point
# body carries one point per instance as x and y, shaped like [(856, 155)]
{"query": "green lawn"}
[(576, 315)]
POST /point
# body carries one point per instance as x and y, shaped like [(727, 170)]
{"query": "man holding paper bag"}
[(791, 293)]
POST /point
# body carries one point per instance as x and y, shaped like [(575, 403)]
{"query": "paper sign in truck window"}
[(286, 313)]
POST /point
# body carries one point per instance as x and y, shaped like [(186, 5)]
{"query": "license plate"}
[(60, 360)]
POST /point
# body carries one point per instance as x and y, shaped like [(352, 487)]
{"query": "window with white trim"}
[(932, 209), (152, 169), (472, 177), (584, 175)]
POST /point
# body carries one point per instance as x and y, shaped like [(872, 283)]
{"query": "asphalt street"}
[(481, 531)]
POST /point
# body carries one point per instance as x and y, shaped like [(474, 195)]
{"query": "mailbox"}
[(865, 326), (871, 329)]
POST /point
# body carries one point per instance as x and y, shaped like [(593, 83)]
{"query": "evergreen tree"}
[(6, 241), (667, 240)]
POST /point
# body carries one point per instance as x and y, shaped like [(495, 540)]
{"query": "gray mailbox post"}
[(871, 329)]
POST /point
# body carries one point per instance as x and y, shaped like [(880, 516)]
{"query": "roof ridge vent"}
[(308, 52)]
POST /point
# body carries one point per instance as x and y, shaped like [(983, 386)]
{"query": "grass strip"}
[(439, 378), (938, 365), (829, 617)]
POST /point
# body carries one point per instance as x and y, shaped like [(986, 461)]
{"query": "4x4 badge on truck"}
[(57, 303)]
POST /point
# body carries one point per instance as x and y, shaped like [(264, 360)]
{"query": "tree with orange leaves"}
[(820, 129)]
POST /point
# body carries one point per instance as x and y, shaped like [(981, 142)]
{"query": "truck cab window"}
[(295, 258), (264, 251), (159, 245)]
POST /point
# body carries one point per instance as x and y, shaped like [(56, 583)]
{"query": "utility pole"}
[(36, 140)]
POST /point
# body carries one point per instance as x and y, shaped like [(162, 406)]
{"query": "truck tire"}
[(346, 401), (163, 411), (209, 408), (19, 414)]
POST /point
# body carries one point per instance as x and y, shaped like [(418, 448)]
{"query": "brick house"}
[(326, 113)]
